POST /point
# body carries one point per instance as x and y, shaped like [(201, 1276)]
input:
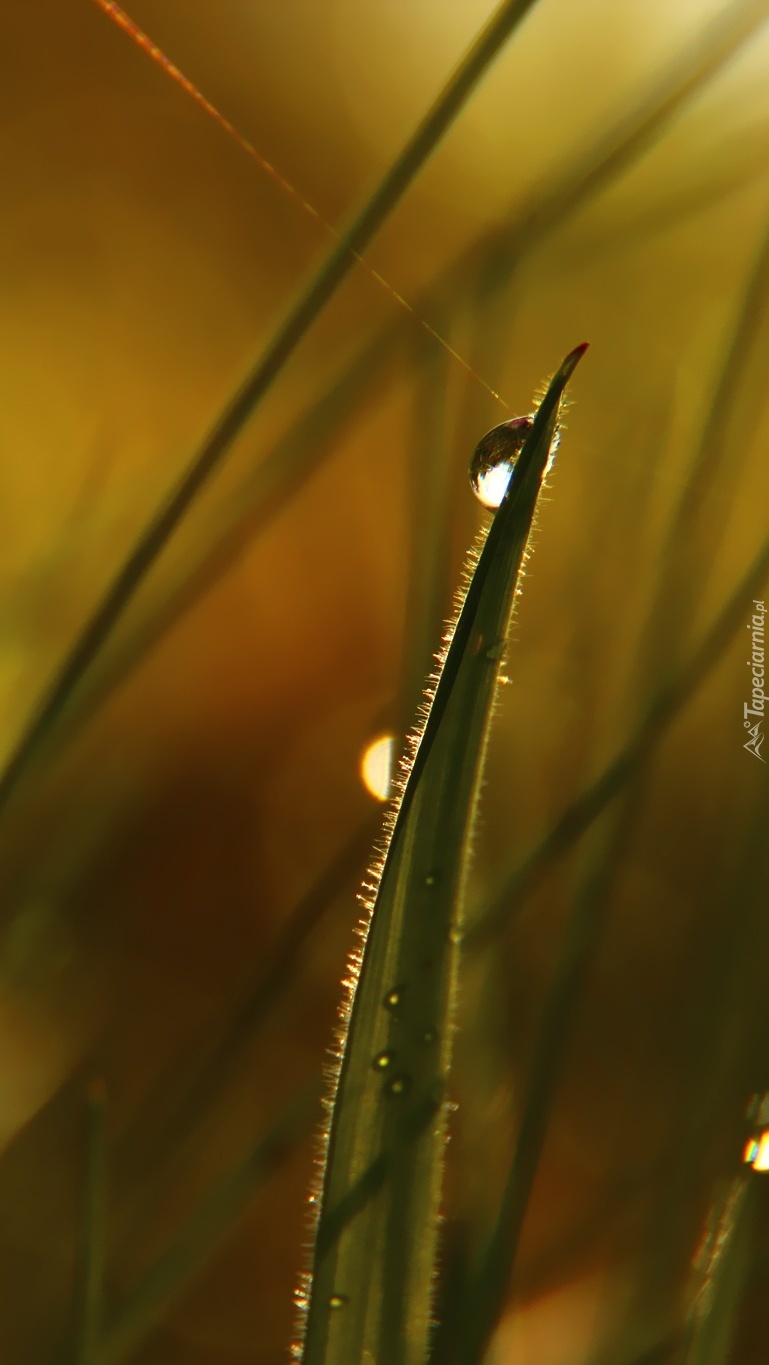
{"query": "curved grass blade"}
[(300, 317), (373, 1267)]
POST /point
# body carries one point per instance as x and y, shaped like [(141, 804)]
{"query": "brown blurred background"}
[(206, 776)]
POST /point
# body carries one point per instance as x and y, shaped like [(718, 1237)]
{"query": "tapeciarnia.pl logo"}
[(758, 698)]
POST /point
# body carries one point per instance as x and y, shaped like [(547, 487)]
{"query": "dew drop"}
[(399, 1085), (338, 1301), (393, 998), (383, 1060), (429, 1036), (495, 457)]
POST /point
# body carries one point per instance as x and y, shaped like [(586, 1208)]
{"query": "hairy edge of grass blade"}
[(370, 1289), (299, 318)]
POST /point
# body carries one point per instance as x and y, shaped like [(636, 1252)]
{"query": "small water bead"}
[(432, 879), (429, 1036), (338, 1301), (399, 1085), (383, 1060), (495, 458), (393, 998)]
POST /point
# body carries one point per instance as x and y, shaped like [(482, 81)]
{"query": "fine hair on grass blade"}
[(278, 351), (370, 1288)]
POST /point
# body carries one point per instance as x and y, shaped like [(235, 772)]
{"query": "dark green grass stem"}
[(300, 317)]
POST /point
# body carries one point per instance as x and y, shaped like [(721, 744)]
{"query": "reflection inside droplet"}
[(494, 459), (496, 456)]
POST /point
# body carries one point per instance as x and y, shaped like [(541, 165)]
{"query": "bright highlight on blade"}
[(756, 1152), (138, 36), (377, 765)]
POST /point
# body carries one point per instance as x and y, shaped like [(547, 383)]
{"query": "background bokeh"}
[(206, 775)]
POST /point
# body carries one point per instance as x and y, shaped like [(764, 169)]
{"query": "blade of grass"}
[(299, 318), (736, 1227), (375, 1245)]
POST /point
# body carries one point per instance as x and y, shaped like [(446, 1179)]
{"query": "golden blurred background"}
[(607, 182)]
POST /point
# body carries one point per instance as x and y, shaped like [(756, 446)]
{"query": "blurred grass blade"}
[(370, 1292), (490, 1286), (492, 258), (725, 1273), (613, 153), (170, 1120), (665, 705), (90, 1280), (300, 317)]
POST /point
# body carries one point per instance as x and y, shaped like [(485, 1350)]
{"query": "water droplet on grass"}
[(338, 1301), (399, 1085), (495, 457), (383, 1060), (393, 998)]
